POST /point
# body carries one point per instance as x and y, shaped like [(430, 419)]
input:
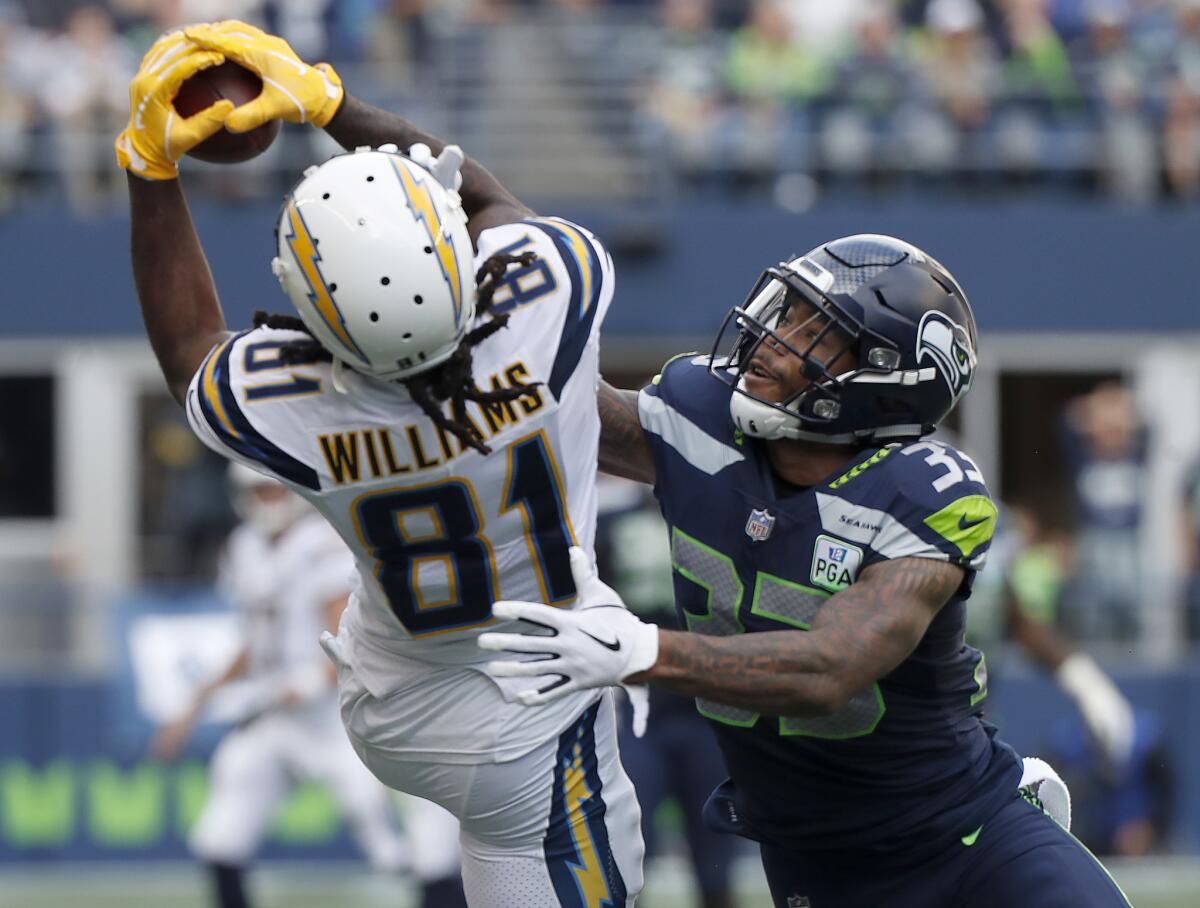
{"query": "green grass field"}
[(1159, 883)]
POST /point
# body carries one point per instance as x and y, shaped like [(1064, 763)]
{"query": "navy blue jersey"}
[(907, 760)]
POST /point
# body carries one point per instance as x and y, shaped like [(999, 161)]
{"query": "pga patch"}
[(835, 563)]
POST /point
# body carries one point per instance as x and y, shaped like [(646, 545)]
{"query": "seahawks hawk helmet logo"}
[(949, 346)]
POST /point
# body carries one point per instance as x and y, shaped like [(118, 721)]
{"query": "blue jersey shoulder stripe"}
[(224, 416), (586, 273)]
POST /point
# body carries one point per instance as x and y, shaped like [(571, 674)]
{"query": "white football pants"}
[(558, 827)]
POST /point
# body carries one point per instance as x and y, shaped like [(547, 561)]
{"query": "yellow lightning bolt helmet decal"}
[(420, 202), (589, 876), (301, 243)]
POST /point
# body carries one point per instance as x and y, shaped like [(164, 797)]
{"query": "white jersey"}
[(439, 531), (280, 588)]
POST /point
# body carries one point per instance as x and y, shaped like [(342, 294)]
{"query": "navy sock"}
[(444, 893), (229, 884)]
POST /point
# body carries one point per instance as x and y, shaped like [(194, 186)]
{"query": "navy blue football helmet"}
[(899, 318)]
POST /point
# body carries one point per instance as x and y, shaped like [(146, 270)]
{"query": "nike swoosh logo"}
[(969, 840), (964, 524), (615, 646)]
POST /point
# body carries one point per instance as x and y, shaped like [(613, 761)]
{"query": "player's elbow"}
[(818, 693), (826, 696)]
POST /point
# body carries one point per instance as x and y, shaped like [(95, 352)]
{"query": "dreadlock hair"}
[(450, 380)]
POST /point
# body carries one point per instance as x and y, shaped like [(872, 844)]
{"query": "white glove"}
[(597, 644), (1048, 787), (1107, 713)]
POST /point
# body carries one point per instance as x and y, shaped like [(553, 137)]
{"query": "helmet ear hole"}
[(374, 316)]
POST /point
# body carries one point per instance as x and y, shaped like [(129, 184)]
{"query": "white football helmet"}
[(270, 512), (374, 253)]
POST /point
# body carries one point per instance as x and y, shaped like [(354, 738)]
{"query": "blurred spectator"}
[(1113, 77), (678, 756), (1181, 89), (86, 94), (397, 44), (962, 72), (1105, 446), (1189, 533), (682, 94), (302, 23), (17, 80), (147, 19), (1019, 593), (826, 29), (1128, 813), (1040, 95), (767, 65), (775, 80), (875, 99)]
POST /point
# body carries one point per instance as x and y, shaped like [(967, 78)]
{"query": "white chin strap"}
[(761, 420), (337, 377)]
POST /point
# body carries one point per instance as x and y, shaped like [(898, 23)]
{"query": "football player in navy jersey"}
[(823, 554)]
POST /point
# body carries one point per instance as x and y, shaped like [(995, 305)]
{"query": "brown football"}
[(239, 85)]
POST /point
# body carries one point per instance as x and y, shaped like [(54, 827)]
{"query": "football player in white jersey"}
[(456, 459), (287, 573)]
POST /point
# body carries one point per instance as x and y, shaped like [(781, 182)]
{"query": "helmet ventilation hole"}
[(429, 250), (374, 316), (325, 195), (418, 299), (385, 281), (370, 179), (421, 357), (407, 335), (332, 287), (362, 222)]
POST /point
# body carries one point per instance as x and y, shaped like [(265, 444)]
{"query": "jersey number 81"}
[(453, 536)]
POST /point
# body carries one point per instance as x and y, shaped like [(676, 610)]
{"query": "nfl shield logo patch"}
[(760, 524)]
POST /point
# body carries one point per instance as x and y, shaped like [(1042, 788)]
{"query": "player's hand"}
[(1107, 713), (156, 135), (446, 167), (168, 742), (599, 644), (292, 90)]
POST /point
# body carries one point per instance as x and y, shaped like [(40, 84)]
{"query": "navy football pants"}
[(1021, 857)]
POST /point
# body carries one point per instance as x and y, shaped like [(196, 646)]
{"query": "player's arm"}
[(1106, 712), (860, 635), (300, 93), (169, 740), (174, 285), (175, 288), (485, 200), (624, 450)]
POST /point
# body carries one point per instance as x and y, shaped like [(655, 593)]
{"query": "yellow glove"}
[(292, 90), (156, 135)]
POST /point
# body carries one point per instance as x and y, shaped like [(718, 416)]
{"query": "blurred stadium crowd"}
[(1089, 96)]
